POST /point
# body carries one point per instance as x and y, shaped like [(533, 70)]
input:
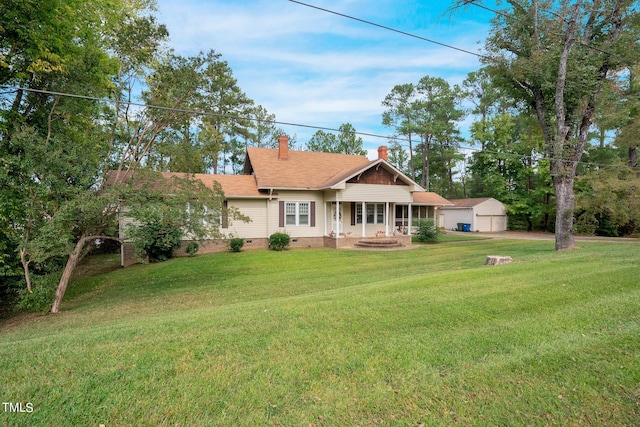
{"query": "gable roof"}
[(469, 203), (310, 169), (430, 198), (302, 169)]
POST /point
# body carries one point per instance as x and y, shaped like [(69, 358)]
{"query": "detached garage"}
[(483, 214)]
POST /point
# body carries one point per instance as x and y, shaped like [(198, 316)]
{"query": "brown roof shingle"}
[(302, 169), (232, 185), (430, 198), (468, 203)]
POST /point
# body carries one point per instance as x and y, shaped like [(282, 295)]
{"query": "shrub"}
[(427, 230), (157, 239), (279, 241), (41, 297), (192, 248), (235, 244)]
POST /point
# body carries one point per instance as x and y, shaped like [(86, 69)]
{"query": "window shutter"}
[(353, 213), (281, 215), (225, 215), (313, 214)]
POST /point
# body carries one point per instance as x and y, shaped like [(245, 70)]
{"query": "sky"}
[(319, 69)]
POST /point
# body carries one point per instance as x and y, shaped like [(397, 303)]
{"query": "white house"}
[(483, 214), (319, 199)]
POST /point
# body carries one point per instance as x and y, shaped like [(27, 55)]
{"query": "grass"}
[(340, 338)]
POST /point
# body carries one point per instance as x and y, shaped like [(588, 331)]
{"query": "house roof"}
[(430, 199), (232, 185), (468, 203), (240, 186), (302, 169)]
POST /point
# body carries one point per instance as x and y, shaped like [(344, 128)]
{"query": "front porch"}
[(362, 220)]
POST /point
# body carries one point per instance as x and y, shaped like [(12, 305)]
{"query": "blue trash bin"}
[(466, 227)]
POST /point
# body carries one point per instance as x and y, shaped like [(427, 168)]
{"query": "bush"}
[(41, 297), (235, 244), (192, 248), (156, 239), (427, 230), (279, 241)]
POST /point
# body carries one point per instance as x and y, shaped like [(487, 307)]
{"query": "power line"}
[(254, 119), (388, 28), (499, 12)]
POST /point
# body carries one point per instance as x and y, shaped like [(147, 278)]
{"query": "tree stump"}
[(498, 260)]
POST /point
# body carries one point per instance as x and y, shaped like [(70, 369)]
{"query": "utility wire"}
[(499, 12), (307, 126), (388, 28)]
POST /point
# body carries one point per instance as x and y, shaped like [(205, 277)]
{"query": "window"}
[(297, 213), (371, 219), (358, 213), (374, 213), (402, 215)]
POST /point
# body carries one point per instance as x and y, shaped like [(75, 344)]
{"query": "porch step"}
[(378, 243)]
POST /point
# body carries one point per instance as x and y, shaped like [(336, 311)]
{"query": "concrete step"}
[(378, 243)]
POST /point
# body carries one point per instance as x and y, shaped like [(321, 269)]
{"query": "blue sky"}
[(310, 67)]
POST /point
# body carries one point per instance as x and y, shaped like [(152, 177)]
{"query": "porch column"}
[(364, 219), (386, 219), (410, 220), (337, 219), (325, 219)]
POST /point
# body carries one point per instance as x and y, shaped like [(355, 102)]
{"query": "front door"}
[(336, 218)]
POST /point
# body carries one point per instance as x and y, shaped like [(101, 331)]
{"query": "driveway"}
[(537, 235)]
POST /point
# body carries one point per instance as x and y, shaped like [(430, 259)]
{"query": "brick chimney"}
[(382, 152), (283, 147)]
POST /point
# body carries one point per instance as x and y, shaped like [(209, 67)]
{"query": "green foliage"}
[(236, 244), (192, 248), (608, 201), (541, 54), (279, 241), (427, 112), (43, 290), (427, 230), (156, 239), (345, 142)]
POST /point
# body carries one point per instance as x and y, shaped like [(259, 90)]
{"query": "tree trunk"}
[(426, 148), (633, 157), (25, 267), (565, 202), (72, 262)]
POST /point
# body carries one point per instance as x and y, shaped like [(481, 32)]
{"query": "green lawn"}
[(339, 338)]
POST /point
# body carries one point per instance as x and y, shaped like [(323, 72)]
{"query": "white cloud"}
[(315, 68)]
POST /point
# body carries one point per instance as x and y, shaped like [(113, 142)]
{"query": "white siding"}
[(376, 193), (490, 207), (256, 210), (453, 216), (490, 216), (301, 230)]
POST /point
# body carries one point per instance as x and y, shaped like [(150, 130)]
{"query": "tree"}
[(436, 111), (263, 130), (346, 142), (398, 156), (58, 150), (556, 57), (322, 142), (399, 115)]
